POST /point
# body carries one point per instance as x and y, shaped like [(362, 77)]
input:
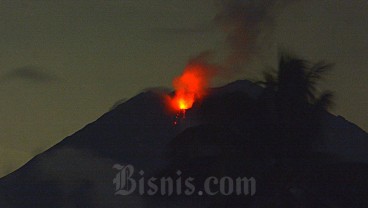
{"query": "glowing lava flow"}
[(189, 86)]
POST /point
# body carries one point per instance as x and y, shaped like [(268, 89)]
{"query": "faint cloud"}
[(199, 29), (30, 73)]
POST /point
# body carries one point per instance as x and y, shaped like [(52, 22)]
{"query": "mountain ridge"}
[(140, 131)]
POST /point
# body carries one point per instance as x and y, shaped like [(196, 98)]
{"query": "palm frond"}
[(318, 70), (325, 100)]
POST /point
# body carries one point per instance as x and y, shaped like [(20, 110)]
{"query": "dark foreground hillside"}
[(298, 156)]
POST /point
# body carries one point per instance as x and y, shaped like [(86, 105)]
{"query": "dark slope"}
[(216, 138), (135, 132)]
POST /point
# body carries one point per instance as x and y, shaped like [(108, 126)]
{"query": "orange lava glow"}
[(190, 86)]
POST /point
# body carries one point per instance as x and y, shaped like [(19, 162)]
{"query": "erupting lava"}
[(190, 86)]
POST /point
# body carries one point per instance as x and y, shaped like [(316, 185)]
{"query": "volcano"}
[(228, 132)]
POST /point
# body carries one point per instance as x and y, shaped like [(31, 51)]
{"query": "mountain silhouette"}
[(228, 133)]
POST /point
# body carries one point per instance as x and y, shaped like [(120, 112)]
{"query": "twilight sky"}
[(65, 63)]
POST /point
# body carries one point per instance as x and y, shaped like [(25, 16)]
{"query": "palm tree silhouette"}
[(290, 107), (296, 81)]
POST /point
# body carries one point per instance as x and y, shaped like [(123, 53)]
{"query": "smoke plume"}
[(245, 22), (248, 27)]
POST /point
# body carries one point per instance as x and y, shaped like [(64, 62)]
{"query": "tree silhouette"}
[(296, 81), (290, 107)]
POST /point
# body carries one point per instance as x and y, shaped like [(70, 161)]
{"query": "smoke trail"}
[(244, 21)]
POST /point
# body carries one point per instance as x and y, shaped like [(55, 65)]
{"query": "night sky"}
[(65, 63)]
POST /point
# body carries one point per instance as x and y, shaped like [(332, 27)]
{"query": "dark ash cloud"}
[(31, 73), (244, 22), (248, 27)]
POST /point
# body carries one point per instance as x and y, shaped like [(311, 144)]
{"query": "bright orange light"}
[(183, 105), (190, 86)]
